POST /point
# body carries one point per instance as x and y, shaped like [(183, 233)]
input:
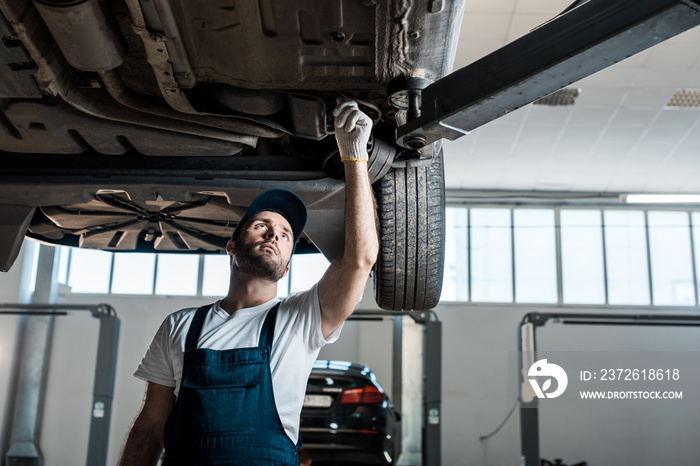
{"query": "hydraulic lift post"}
[(431, 369), (105, 373), (527, 345)]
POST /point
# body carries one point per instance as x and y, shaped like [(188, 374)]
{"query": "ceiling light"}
[(563, 97), (660, 198), (685, 98)]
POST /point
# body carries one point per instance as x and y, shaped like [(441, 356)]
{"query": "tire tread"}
[(411, 209)]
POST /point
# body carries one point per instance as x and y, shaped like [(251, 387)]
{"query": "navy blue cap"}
[(285, 203)]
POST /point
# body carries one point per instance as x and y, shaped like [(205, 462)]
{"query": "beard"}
[(249, 260)]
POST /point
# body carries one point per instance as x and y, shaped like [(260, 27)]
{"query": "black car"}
[(347, 418)]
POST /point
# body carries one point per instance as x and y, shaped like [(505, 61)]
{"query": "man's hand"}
[(342, 285), (352, 131)]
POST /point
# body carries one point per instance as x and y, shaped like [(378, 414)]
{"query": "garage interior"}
[(540, 221)]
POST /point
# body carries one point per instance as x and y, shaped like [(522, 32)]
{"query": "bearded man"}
[(226, 382)]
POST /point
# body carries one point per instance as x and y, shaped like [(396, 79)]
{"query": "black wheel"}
[(411, 209)]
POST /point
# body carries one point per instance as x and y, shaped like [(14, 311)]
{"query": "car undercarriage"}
[(151, 125)]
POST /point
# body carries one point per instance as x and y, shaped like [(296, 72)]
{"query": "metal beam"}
[(529, 415), (432, 392), (103, 389), (574, 45), (415, 352), (412, 394), (33, 368), (397, 378), (103, 386)]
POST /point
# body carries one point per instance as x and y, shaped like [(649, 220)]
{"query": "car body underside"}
[(151, 125)]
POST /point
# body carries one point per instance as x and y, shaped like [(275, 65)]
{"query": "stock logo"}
[(544, 370)]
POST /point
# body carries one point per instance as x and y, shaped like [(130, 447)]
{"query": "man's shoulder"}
[(185, 315), (300, 300), (184, 312)]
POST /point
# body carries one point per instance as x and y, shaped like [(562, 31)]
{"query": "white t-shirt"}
[(297, 341)]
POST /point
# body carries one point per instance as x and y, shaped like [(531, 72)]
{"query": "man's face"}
[(264, 246)]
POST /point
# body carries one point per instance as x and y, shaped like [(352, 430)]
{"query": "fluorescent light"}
[(660, 198)]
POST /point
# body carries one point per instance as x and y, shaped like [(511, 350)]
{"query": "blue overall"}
[(225, 412)]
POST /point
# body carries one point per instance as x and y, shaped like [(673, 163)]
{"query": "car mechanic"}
[(226, 382)]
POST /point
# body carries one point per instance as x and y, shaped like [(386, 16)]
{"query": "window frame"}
[(66, 255), (692, 232)]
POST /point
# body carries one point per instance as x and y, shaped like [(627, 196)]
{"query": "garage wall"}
[(476, 344)]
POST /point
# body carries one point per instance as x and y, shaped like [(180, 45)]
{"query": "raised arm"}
[(144, 444), (342, 285)]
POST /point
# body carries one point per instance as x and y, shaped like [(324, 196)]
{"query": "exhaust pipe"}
[(90, 39), (86, 33)]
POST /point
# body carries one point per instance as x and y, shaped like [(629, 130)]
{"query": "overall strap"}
[(268, 329), (196, 327)]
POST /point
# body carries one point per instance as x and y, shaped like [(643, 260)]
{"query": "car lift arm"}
[(581, 41), (102, 390)]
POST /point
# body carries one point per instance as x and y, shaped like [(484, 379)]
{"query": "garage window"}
[(582, 257), (572, 255), (696, 250), (216, 274), (535, 256), (455, 286), (305, 270), (671, 259), (626, 253), (491, 255), (88, 271), (177, 274), (133, 273)]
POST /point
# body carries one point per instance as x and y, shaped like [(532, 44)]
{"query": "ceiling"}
[(617, 138)]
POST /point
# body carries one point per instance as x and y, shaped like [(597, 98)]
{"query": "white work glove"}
[(352, 130)]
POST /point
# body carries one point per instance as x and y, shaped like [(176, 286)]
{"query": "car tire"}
[(411, 210)]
